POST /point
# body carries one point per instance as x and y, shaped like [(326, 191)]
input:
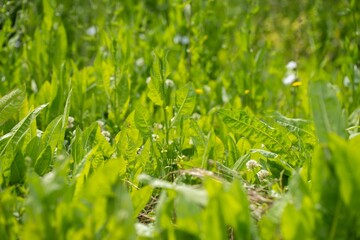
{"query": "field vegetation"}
[(159, 119)]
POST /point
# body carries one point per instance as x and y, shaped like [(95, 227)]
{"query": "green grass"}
[(163, 119)]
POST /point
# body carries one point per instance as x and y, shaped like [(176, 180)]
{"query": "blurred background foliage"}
[(238, 50)]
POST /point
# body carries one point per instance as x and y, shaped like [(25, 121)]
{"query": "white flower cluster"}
[(70, 122), (252, 165), (155, 137), (290, 76), (262, 174), (105, 133)]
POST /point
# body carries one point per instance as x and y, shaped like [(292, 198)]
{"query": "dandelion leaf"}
[(255, 130)]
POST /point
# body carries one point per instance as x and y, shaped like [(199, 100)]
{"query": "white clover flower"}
[(185, 40), (252, 164), (347, 81), (262, 174), (289, 79), (292, 65), (224, 95), (140, 62), (158, 125), (106, 134), (169, 83), (91, 31), (101, 123), (196, 116), (39, 133), (70, 122), (155, 137), (34, 87)]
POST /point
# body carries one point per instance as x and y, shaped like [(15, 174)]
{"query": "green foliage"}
[(179, 119)]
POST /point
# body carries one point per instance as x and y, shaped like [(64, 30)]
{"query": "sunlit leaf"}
[(10, 104)]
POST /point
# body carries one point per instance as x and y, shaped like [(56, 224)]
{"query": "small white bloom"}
[(292, 65), (34, 87), (347, 81), (158, 125), (101, 123), (207, 89), (39, 133), (177, 39), (169, 83), (155, 137), (262, 174), (185, 40), (70, 122), (140, 62), (289, 79), (91, 31), (196, 116), (251, 164), (105, 133), (148, 80), (224, 95)]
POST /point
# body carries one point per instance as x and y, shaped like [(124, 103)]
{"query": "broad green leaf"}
[(156, 85), (233, 153), (218, 149), (18, 169), (83, 169), (43, 162), (129, 139), (140, 198), (154, 93), (52, 133), (20, 129), (185, 102), (64, 122), (10, 104), (122, 92), (142, 121), (255, 130), (33, 149), (326, 109)]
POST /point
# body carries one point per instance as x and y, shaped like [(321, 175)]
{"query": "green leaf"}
[(43, 162), (10, 104), (328, 116), (142, 121), (18, 132), (52, 133), (18, 169), (255, 130), (140, 198), (154, 93), (185, 102), (64, 122), (156, 85)]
